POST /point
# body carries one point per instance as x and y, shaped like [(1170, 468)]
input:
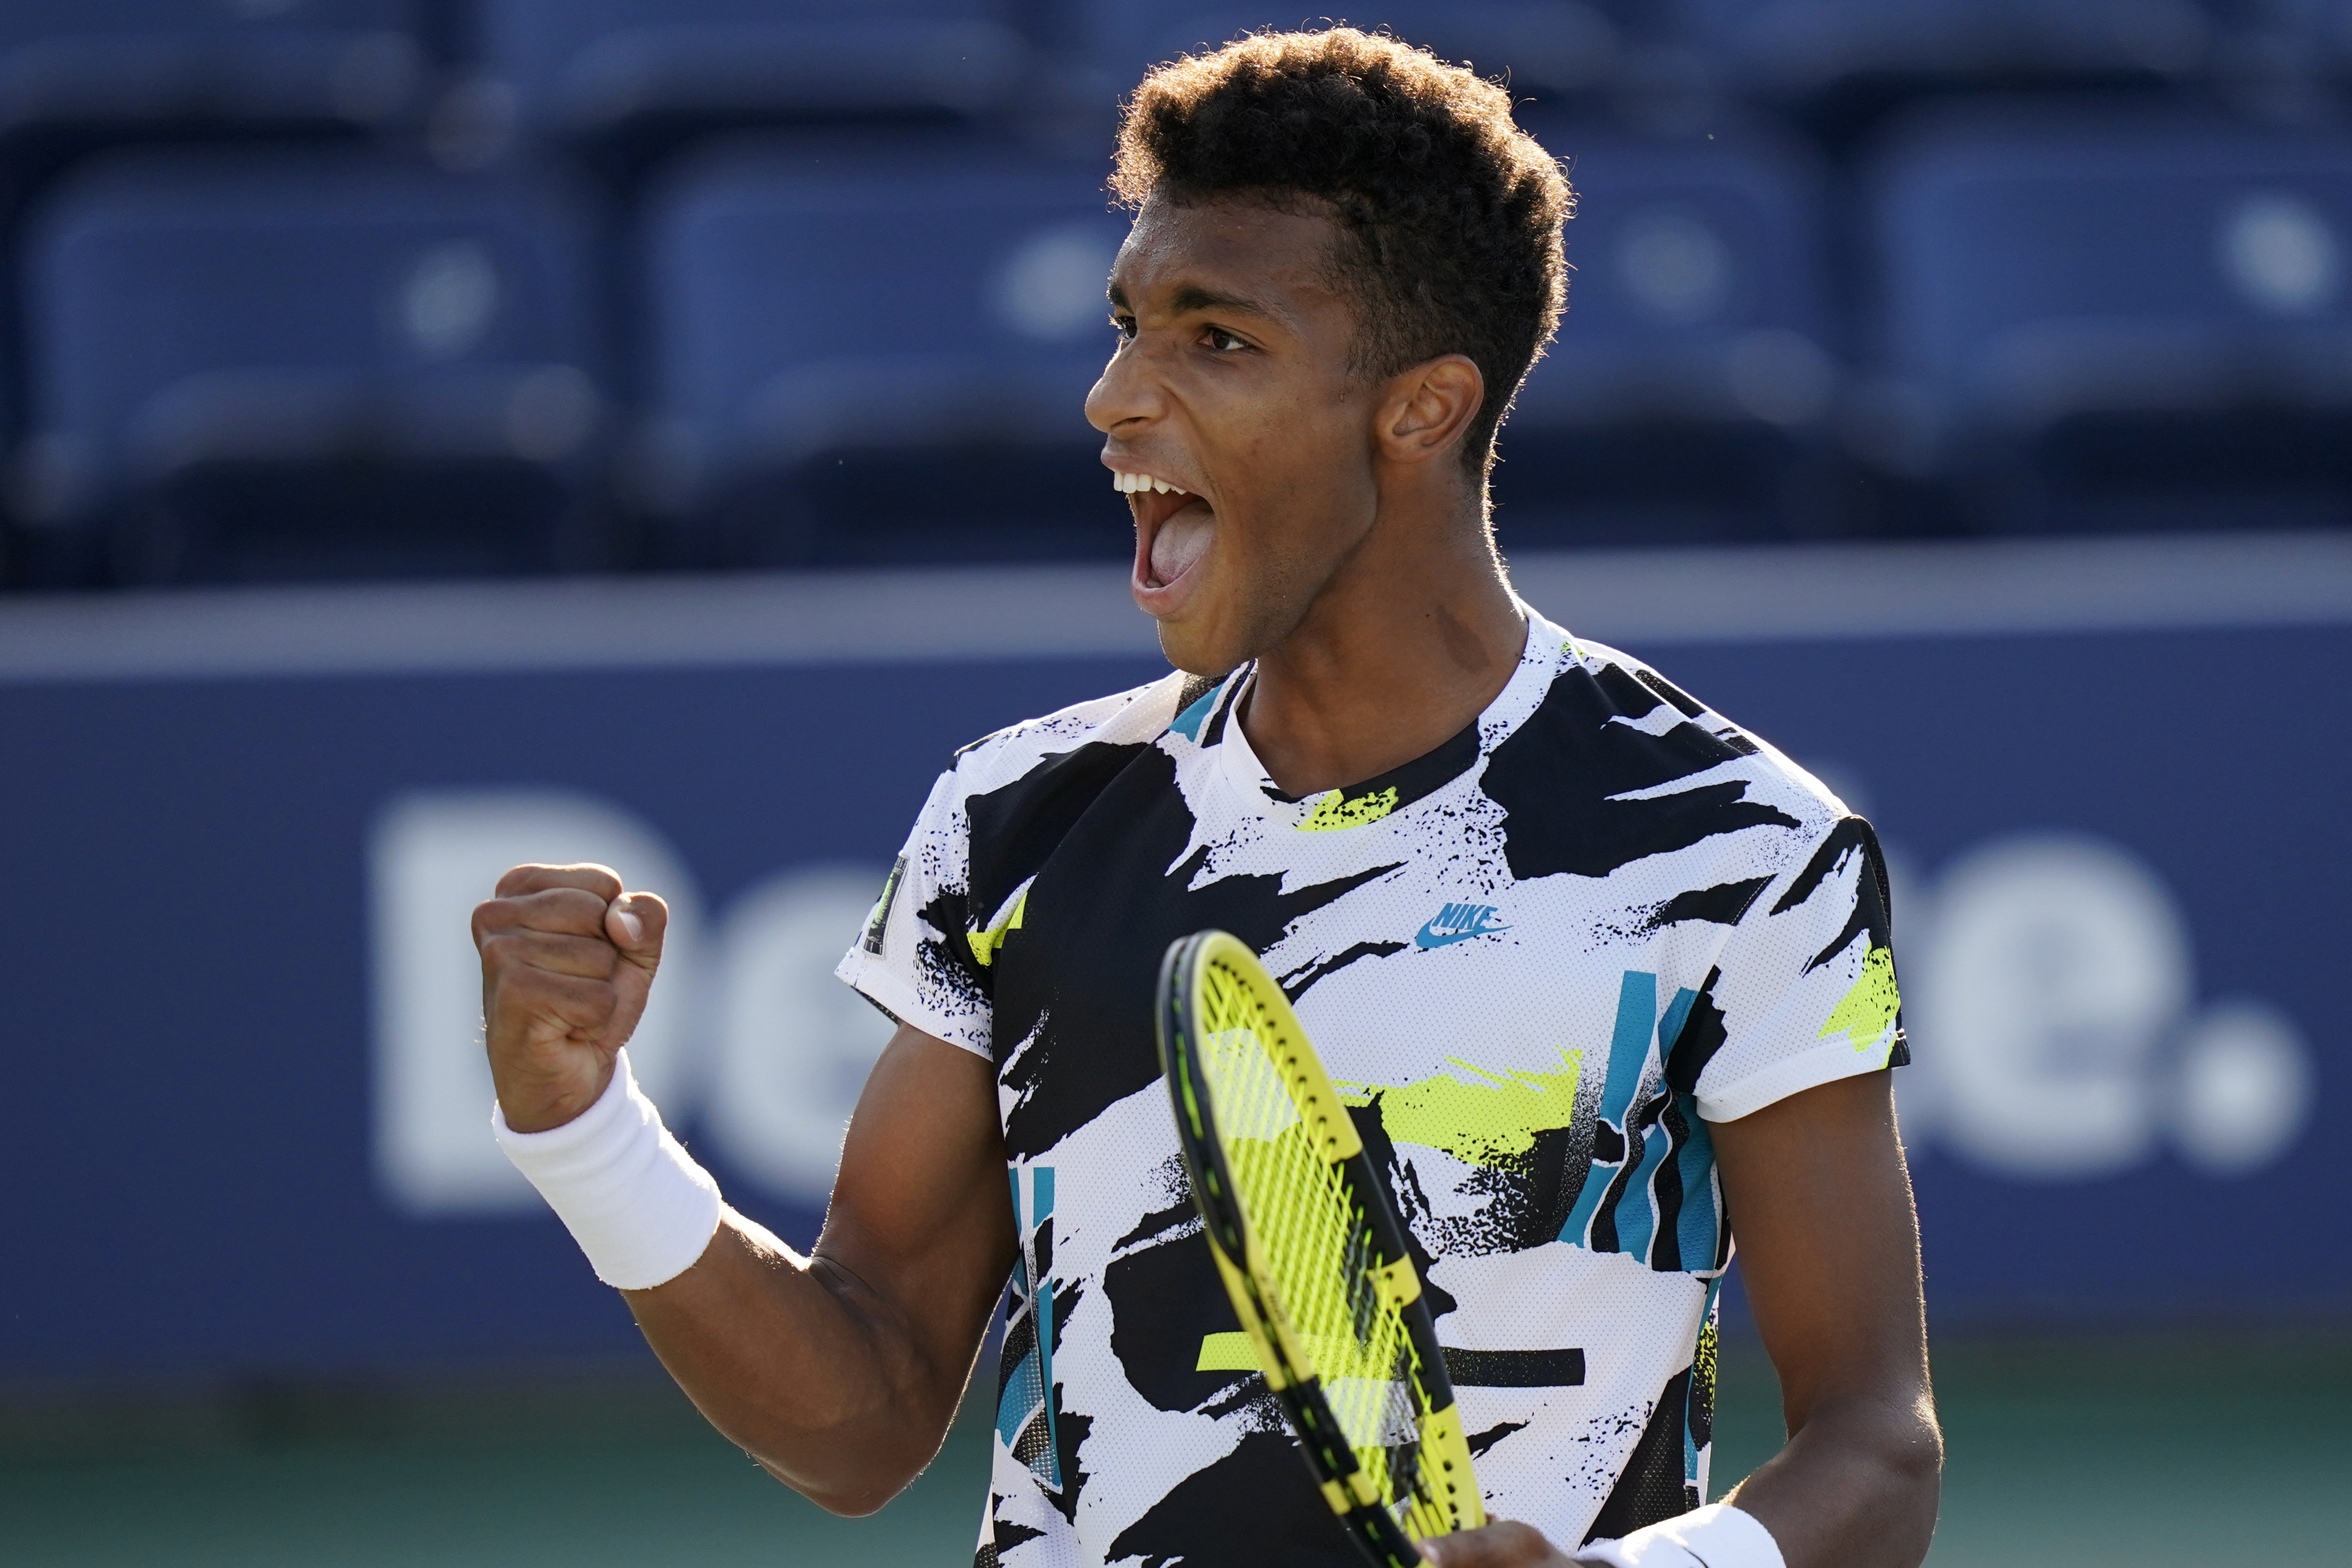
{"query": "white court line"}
[(1636, 599)]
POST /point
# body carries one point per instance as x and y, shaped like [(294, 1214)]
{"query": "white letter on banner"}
[(794, 1044), (432, 855), (2057, 967)]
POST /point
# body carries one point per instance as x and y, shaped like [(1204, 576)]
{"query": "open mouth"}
[(1172, 529)]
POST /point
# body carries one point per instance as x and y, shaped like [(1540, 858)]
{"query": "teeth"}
[(1133, 484)]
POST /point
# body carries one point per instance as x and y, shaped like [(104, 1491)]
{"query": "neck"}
[(1409, 641)]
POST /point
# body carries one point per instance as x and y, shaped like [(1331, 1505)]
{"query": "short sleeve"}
[(913, 958), (1804, 992)]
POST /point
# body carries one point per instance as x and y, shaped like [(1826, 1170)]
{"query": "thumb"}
[(636, 923)]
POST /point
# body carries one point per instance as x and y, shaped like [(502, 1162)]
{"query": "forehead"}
[(1238, 248)]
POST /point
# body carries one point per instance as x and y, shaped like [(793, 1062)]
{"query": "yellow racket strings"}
[(1316, 1242)]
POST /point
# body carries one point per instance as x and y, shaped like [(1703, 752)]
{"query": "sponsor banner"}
[(248, 1127)]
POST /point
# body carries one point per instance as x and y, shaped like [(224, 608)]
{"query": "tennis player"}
[(1605, 979)]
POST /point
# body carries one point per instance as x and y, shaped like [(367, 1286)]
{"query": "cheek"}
[(1305, 499), (1298, 494), (1268, 574)]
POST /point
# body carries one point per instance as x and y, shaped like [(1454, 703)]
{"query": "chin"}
[(1194, 654), (1216, 642)]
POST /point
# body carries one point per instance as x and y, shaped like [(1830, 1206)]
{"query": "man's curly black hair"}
[(1451, 214)]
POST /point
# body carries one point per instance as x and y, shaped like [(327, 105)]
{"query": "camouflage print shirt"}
[(1540, 960)]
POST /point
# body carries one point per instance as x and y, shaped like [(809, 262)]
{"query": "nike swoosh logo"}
[(1427, 937)]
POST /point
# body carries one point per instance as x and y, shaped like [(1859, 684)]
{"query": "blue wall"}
[(187, 1143)]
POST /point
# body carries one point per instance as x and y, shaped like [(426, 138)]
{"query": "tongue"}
[(1178, 543)]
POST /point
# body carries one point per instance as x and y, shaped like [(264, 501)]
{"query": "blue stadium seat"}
[(1796, 48), (2302, 36), (2120, 323), (308, 364), (1687, 395), (585, 67), (867, 355), (76, 62), (1547, 46)]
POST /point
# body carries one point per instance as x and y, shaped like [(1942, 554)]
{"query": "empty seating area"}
[(300, 289)]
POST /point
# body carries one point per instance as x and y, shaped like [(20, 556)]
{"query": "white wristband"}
[(637, 1205), (1716, 1536)]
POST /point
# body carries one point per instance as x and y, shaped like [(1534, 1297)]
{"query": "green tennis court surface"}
[(2141, 1453)]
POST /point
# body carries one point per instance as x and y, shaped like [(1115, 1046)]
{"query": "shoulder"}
[(1767, 771), (1012, 796), (1617, 763), (1134, 717)]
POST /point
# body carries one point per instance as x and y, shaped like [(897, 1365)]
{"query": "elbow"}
[(848, 1496), (848, 1491), (1893, 1432), (1914, 1450), (1884, 1458), (849, 1470), (1895, 1435), (1909, 1449)]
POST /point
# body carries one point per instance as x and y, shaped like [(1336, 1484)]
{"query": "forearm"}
[(1855, 1486), (804, 1367), (840, 1372), (1830, 1249)]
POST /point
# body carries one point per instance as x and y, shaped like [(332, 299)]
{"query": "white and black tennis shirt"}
[(1540, 961)]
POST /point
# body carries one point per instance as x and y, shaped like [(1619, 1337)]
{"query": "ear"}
[(1428, 408)]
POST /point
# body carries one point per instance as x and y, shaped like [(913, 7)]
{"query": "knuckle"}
[(572, 911), (519, 879), (602, 881)]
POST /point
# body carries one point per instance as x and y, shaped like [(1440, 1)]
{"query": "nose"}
[(1125, 393)]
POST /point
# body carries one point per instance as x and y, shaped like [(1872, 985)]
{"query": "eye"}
[(1223, 342), (1126, 325)]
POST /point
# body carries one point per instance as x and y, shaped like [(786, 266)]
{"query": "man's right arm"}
[(839, 1372)]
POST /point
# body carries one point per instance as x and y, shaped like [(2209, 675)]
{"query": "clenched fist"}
[(567, 962)]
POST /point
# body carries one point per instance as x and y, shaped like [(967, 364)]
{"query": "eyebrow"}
[(1191, 297)]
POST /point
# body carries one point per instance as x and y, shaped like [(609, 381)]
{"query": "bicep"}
[(1819, 1203), (920, 1213)]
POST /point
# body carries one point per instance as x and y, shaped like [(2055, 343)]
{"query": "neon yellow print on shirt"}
[(1866, 1012), (1488, 1121), (985, 943), (1336, 810)]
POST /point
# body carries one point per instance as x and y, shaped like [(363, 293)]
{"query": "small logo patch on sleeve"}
[(878, 922)]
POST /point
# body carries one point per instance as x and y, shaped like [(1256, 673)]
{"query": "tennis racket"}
[(1313, 1257)]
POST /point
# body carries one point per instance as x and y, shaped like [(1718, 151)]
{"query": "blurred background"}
[(444, 433)]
